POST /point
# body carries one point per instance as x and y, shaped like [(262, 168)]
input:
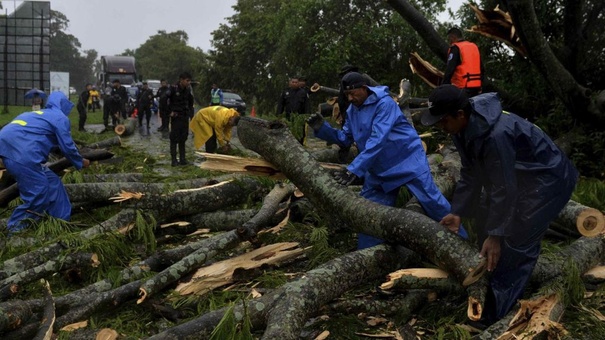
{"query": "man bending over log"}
[(25, 144), (212, 124), (514, 181), (390, 151)]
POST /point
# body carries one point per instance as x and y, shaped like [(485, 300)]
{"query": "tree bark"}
[(13, 314), (106, 143), (100, 192), (401, 304), (217, 244), (276, 144), (422, 26), (9, 286), (36, 257), (316, 288)]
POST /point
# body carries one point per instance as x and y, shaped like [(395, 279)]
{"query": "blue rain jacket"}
[(24, 146), (515, 163), (29, 138), (390, 151)]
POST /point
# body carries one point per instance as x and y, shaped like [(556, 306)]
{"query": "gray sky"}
[(112, 26)]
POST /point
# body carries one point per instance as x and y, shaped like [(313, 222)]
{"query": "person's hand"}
[(172, 114), (315, 121), (451, 222), (85, 163), (491, 250), (345, 177), (224, 149)]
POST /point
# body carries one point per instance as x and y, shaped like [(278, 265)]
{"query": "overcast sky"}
[(112, 26)]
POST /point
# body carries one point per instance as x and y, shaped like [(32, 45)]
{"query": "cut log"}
[(276, 144), (221, 273), (126, 128), (588, 221), (106, 143)]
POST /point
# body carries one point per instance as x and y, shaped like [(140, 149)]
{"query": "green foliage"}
[(590, 192), (229, 328), (144, 227)]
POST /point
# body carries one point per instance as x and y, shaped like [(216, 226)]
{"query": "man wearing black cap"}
[(514, 181), (390, 151)]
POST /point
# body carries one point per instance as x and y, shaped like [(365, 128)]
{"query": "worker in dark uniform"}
[(514, 180), (144, 103), (464, 68), (118, 97), (294, 102), (162, 96), (82, 103), (180, 101)]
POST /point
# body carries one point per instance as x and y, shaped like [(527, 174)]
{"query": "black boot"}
[(173, 153), (182, 154)]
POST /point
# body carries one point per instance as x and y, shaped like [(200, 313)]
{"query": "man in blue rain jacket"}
[(514, 180), (390, 151), (25, 144)]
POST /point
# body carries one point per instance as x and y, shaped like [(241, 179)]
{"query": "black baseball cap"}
[(443, 100), (353, 80)]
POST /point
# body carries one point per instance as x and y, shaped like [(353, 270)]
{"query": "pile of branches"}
[(192, 236)]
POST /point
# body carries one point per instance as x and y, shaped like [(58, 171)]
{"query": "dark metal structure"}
[(24, 52)]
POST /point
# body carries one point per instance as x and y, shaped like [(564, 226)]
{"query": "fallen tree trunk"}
[(276, 144), (100, 192), (9, 286), (316, 288)]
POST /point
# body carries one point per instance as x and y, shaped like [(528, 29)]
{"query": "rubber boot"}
[(173, 153)]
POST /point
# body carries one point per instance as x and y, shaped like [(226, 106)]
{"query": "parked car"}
[(72, 90), (234, 101)]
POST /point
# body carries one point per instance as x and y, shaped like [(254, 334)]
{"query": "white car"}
[(72, 90)]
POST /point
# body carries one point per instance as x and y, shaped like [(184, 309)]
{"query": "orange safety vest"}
[(468, 73)]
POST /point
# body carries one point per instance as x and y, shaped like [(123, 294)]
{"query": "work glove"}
[(315, 121), (345, 177)]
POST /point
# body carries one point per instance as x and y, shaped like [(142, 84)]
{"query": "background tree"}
[(166, 55), (65, 55)]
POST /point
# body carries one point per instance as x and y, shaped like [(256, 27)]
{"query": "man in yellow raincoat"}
[(212, 124)]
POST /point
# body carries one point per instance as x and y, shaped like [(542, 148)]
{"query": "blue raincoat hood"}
[(58, 100)]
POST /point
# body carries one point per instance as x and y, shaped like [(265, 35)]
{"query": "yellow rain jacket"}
[(212, 118)]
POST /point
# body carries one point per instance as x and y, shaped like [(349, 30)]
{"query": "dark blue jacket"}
[(508, 157), (390, 151), (29, 137)]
